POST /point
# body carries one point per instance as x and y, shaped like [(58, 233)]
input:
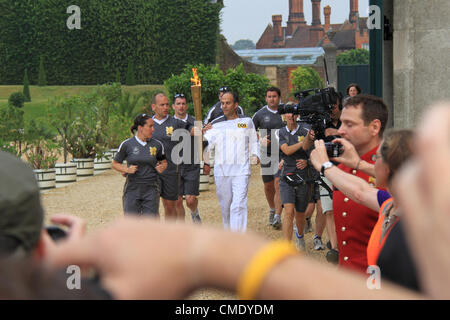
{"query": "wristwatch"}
[(325, 166)]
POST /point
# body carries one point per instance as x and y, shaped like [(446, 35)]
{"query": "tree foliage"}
[(90, 124), (41, 149), (11, 129), (162, 37), (243, 45), (304, 78), (353, 57)]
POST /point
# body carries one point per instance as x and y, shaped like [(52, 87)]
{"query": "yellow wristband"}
[(259, 266)]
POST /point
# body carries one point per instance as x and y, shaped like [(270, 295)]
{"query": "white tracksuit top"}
[(234, 141)]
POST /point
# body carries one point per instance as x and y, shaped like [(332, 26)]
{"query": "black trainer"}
[(333, 256)]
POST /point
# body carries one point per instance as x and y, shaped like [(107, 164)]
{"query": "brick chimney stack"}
[(327, 14), (277, 30), (316, 12), (354, 11), (296, 16), (316, 31)]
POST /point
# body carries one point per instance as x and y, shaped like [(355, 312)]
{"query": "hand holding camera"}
[(349, 157), (319, 155)]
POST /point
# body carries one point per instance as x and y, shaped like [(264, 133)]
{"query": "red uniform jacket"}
[(354, 222)]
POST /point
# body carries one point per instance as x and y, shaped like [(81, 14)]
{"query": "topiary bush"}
[(42, 79), (16, 99), (131, 77), (26, 87)]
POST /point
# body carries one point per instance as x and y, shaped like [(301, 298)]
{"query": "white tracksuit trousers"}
[(232, 193)]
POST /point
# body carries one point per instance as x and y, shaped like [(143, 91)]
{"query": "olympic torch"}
[(196, 90)]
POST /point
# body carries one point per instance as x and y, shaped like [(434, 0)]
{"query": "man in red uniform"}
[(364, 119)]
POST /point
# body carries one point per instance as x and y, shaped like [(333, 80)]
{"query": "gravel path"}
[(98, 200)]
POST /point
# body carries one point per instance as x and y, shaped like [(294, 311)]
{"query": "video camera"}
[(315, 109)]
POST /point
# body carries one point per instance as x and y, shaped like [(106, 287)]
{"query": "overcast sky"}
[(247, 19)]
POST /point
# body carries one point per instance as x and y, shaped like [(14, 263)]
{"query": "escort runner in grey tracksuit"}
[(141, 192)]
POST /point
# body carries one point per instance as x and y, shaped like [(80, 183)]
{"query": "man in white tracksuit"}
[(234, 139)]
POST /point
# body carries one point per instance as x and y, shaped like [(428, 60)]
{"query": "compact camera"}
[(334, 149)]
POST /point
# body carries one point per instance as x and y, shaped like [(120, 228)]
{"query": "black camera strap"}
[(320, 182)]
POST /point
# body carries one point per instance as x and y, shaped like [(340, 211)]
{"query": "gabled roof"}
[(266, 39), (344, 39), (300, 38)]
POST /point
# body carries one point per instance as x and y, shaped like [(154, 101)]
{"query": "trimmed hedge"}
[(161, 36)]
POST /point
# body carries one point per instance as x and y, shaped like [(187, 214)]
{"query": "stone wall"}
[(421, 57)]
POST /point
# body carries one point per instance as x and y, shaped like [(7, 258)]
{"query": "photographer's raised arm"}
[(352, 186)]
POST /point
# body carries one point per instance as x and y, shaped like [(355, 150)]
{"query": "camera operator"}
[(296, 185)]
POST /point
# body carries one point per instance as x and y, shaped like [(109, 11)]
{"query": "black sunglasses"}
[(179, 95), (224, 89)]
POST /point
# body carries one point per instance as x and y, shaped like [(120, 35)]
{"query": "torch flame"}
[(195, 80)]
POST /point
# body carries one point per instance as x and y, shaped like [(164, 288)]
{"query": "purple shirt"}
[(382, 196)]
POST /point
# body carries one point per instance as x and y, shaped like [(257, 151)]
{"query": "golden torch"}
[(196, 90)]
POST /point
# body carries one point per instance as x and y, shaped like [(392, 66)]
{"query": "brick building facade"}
[(352, 34)]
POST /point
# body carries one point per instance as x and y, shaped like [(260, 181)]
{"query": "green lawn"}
[(41, 95)]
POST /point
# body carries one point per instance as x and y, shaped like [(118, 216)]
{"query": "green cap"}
[(21, 213)]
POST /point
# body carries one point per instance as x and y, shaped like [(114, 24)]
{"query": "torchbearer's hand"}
[(319, 155), (350, 157), (206, 128)]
